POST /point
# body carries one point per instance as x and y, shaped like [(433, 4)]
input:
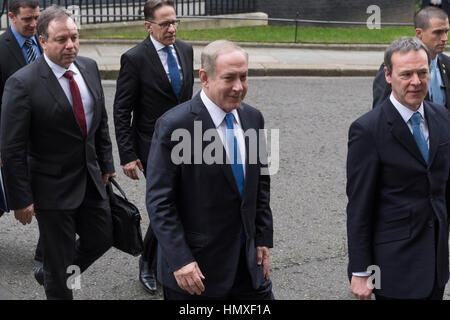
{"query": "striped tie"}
[(31, 53)]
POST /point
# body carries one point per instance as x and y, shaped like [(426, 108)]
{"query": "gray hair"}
[(151, 5), (212, 50), (404, 44), (53, 12)]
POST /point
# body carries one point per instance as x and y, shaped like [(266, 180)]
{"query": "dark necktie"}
[(77, 102), (174, 73), (234, 154), (418, 135), (31, 53)]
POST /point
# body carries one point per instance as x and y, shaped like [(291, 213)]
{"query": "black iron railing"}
[(104, 11)]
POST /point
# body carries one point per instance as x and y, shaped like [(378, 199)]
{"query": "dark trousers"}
[(242, 288), (58, 228), (150, 241)]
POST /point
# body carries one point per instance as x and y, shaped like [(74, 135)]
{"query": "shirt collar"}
[(405, 112), (21, 39), (58, 70), (158, 45), (216, 113)]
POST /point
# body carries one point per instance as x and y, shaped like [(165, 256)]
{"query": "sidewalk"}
[(264, 59), (6, 295)]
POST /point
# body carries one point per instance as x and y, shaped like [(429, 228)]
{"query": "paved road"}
[(308, 198)]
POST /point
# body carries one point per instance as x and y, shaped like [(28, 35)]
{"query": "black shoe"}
[(39, 275), (147, 276), (1, 212)]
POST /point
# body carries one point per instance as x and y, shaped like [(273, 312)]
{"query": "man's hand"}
[(106, 176), (25, 215), (359, 288), (264, 259), (130, 169), (189, 278)]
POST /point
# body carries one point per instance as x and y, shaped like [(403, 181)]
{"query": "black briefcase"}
[(126, 221)]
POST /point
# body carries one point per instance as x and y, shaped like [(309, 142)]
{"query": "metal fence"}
[(105, 11)]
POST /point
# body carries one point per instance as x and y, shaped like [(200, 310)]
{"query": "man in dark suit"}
[(18, 46), (154, 76), (398, 170), (431, 26), (212, 218), (57, 153)]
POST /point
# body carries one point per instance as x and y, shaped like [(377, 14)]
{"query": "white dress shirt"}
[(163, 56), (86, 98), (407, 113), (218, 117)]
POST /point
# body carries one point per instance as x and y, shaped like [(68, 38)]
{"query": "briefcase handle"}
[(114, 182)]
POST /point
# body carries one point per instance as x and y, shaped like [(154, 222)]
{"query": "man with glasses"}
[(155, 76)]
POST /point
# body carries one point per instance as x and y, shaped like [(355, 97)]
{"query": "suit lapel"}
[(399, 129), (156, 61), (443, 70), (13, 46), (182, 60), (203, 115), (434, 131), (92, 85), (53, 86)]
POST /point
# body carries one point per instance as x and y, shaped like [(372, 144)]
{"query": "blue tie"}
[(236, 161), (174, 73), (436, 92), (234, 154), (418, 135)]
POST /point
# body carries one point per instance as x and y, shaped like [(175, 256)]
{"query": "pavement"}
[(279, 59)]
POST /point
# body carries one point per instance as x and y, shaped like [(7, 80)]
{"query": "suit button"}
[(430, 223)]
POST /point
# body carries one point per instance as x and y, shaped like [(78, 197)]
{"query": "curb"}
[(108, 74), (316, 46)]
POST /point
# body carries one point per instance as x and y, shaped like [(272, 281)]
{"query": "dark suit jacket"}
[(11, 58), (382, 89), (144, 91), (196, 210), (395, 201), (46, 158)]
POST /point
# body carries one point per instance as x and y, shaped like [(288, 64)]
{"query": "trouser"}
[(150, 241), (242, 288), (63, 253), (150, 245)]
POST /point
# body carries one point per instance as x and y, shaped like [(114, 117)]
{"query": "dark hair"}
[(151, 6), (15, 5), (53, 12), (404, 44), (424, 15)]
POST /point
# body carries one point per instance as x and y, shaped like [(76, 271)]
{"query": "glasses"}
[(166, 24)]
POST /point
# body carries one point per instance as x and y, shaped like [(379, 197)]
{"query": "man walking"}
[(155, 76), (57, 153), (213, 220), (398, 172)]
